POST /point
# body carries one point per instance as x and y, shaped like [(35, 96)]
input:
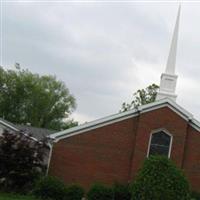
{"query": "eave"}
[(126, 115)]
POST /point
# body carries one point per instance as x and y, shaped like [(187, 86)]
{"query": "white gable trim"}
[(126, 115), (16, 130), (8, 125), (91, 125), (169, 103), (195, 124)]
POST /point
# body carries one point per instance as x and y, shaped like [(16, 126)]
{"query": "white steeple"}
[(168, 79)]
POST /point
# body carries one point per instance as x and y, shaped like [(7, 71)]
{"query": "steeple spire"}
[(168, 79), (171, 62)]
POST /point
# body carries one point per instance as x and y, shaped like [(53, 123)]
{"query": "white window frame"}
[(166, 132)]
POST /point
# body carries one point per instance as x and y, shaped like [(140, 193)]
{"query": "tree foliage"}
[(21, 161), (160, 179), (26, 97), (141, 97)]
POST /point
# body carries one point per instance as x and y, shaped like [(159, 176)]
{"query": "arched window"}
[(160, 144)]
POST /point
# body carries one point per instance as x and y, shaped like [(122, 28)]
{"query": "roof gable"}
[(126, 115), (8, 124), (36, 133)]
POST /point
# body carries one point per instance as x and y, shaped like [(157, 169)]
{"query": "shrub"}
[(121, 192), (100, 192), (160, 179), (22, 161), (50, 188), (74, 192), (195, 195)]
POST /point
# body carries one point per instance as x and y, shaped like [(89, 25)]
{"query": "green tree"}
[(160, 179), (141, 97), (26, 97)]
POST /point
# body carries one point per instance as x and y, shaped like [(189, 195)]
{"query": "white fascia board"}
[(181, 110), (195, 124), (171, 104), (126, 115), (93, 125), (176, 108), (9, 126)]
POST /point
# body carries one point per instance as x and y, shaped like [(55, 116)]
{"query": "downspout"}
[(50, 144), (185, 142), (133, 146)]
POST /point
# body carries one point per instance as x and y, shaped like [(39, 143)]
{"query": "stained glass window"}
[(160, 144)]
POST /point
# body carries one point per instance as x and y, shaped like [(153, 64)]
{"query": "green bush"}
[(50, 188), (160, 179), (21, 162), (195, 195), (121, 191), (100, 192), (74, 192)]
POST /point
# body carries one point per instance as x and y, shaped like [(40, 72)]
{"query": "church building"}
[(113, 149)]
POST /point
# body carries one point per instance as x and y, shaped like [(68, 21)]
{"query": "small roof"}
[(8, 124), (37, 133), (126, 115)]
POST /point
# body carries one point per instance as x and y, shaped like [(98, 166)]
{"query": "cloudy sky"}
[(104, 50)]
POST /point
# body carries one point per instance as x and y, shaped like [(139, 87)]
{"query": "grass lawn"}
[(15, 197)]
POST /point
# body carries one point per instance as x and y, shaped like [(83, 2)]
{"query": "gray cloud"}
[(104, 51)]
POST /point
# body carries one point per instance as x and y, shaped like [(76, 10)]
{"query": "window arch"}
[(160, 143)]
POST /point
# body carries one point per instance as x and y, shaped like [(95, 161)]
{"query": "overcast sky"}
[(104, 51)]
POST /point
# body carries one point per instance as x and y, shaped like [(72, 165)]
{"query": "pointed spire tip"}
[(171, 62)]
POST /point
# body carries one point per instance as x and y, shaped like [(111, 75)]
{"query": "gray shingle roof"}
[(8, 124), (38, 133)]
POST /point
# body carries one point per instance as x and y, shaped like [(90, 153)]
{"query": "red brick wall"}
[(158, 119), (191, 163), (100, 155), (115, 152)]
